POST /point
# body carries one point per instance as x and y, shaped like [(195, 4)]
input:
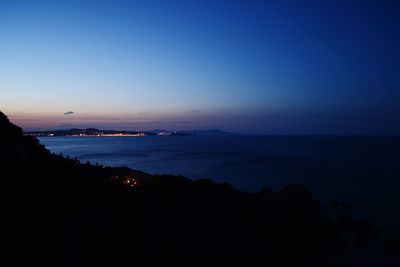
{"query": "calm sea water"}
[(362, 170)]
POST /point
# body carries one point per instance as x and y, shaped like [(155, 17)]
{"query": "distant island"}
[(111, 133)]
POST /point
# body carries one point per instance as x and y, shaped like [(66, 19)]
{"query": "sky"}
[(265, 67)]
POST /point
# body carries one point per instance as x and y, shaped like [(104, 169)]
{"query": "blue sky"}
[(273, 67)]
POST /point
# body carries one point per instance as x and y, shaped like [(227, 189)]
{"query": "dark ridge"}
[(60, 212)]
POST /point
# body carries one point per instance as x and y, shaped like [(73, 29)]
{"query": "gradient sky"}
[(271, 67)]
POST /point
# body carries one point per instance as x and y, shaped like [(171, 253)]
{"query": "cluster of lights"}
[(127, 180), (39, 134), (104, 134)]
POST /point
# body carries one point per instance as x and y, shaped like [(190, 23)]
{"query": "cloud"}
[(195, 111), (68, 113)]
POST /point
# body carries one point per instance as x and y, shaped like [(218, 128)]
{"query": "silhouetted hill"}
[(60, 212)]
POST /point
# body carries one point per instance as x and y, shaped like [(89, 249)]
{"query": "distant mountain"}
[(162, 132)]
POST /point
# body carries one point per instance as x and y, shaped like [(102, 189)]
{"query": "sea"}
[(363, 171)]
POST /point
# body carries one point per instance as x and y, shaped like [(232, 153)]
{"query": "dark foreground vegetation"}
[(59, 212)]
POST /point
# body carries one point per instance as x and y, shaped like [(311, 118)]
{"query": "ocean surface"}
[(361, 170)]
